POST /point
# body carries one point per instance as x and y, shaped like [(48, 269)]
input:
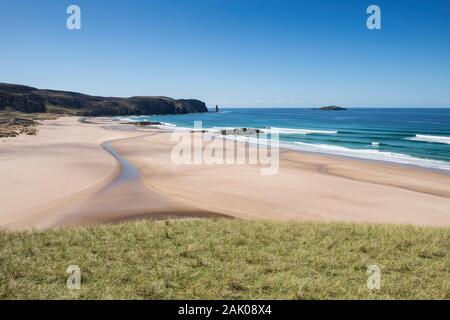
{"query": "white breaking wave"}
[(298, 131), (375, 144), (427, 138), (164, 125), (128, 119), (371, 154)]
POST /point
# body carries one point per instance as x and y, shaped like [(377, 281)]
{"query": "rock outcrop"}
[(31, 100), (145, 123), (241, 131)]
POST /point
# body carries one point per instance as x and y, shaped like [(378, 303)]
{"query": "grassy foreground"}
[(227, 259)]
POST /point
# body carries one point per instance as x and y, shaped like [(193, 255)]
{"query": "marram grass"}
[(227, 259)]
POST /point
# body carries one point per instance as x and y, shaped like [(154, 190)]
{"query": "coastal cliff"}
[(31, 100)]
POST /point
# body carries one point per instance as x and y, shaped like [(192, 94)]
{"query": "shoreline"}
[(366, 152), (386, 162), (204, 191), (331, 155)]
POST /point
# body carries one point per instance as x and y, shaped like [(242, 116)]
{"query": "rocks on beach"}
[(241, 131), (199, 131), (145, 123)]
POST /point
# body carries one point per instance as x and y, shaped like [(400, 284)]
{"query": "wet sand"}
[(64, 177)]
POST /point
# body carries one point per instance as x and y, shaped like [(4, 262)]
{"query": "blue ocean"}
[(412, 136)]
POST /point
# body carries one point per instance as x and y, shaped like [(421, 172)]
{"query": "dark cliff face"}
[(28, 99)]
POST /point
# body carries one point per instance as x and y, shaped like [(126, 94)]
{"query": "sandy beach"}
[(64, 177)]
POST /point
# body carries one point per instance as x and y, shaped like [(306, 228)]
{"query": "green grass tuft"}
[(227, 259)]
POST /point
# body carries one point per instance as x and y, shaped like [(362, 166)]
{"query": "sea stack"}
[(217, 108)]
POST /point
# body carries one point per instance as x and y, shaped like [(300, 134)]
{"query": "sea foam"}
[(428, 138), (297, 131), (371, 154)]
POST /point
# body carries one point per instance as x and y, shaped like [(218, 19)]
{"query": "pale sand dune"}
[(62, 177)]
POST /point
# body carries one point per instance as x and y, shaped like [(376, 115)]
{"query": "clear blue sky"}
[(234, 52)]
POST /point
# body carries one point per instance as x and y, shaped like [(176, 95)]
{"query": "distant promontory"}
[(31, 100)]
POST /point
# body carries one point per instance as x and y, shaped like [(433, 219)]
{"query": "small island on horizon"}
[(331, 108)]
